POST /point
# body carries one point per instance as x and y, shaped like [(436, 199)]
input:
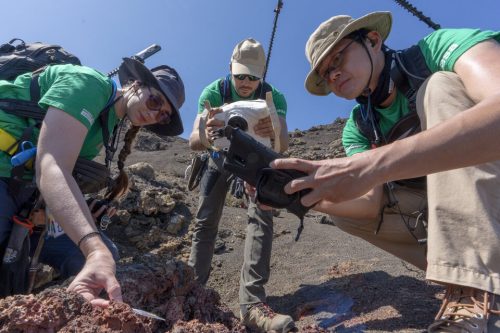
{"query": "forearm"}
[(365, 207), (466, 139), (68, 207)]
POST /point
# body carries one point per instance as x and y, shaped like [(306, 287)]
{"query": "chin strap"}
[(370, 98)]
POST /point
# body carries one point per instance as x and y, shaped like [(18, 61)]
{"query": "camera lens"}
[(238, 122)]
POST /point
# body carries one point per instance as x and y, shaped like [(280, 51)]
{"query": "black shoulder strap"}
[(408, 71), (263, 88), (103, 120), (32, 110), (26, 109), (225, 90)]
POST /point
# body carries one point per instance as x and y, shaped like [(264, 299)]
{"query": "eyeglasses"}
[(155, 103), (241, 77), (336, 62)]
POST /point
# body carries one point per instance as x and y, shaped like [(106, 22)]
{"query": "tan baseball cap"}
[(329, 33), (248, 58)]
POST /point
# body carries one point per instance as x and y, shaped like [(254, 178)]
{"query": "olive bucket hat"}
[(164, 79), (330, 33)]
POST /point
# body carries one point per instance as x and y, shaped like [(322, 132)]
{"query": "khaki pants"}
[(256, 267), (464, 207), (393, 234)]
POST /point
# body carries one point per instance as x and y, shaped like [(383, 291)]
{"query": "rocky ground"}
[(327, 281)]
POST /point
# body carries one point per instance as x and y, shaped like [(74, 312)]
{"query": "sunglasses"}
[(155, 103), (336, 62), (241, 77)]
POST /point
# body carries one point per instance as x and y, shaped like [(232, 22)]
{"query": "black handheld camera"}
[(249, 160)]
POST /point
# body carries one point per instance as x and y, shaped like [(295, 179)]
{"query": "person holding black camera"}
[(244, 82), (448, 84), (74, 98)]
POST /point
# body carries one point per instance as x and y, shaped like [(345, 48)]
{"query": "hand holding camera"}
[(249, 159), (256, 117)]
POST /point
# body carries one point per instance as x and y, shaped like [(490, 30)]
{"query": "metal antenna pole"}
[(414, 11), (277, 11)]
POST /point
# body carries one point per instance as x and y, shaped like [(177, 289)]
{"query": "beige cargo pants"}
[(464, 207)]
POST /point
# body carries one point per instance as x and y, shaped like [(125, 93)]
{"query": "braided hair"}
[(119, 185)]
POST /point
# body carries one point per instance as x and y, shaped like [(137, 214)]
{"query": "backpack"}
[(19, 58)]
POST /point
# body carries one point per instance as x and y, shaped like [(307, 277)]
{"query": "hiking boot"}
[(464, 310), (262, 318)]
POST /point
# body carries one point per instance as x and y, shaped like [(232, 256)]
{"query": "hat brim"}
[(237, 69), (132, 70), (379, 21)]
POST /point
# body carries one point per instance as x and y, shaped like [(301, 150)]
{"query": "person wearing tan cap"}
[(448, 84), (244, 82)]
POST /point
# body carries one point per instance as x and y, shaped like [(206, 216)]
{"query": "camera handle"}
[(141, 56)]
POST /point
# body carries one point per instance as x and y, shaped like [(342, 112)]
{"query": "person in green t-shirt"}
[(450, 81), (243, 83), (74, 98)]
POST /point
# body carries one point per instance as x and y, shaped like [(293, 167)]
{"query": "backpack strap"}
[(110, 147), (225, 90), (264, 88), (26, 109), (408, 71)]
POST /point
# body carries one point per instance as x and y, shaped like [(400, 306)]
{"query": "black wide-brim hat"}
[(164, 79)]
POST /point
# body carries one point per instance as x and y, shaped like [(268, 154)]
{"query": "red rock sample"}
[(55, 310)]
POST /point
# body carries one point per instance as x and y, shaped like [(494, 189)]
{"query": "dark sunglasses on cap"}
[(155, 103), (241, 77)]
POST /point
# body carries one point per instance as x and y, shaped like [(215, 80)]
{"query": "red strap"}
[(24, 222)]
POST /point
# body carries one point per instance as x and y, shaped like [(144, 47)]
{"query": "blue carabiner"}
[(24, 155)]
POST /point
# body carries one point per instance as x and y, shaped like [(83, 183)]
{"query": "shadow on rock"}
[(364, 301)]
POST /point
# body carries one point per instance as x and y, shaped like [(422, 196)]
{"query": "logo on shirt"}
[(352, 147), (87, 115), (447, 54)]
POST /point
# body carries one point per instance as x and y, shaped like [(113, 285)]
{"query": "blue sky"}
[(197, 37)]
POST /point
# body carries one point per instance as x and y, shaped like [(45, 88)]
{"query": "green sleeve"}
[(352, 139), (279, 102), (79, 91), (212, 94), (443, 47)]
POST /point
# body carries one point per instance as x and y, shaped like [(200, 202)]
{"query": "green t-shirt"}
[(213, 95), (80, 91), (441, 49)]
